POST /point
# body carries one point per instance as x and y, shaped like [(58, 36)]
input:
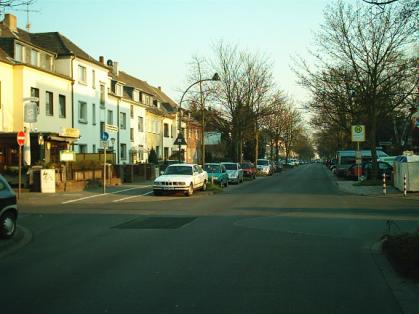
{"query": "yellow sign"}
[(70, 132), (67, 155), (111, 128), (358, 133)]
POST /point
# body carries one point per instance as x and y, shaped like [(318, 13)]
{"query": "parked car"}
[(366, 168), (249, 170), (8, 210), (264, 166), (234, 172), (383, 168), (181, 177), (217, 173)]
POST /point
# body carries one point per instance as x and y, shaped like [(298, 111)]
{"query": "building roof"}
[(62, 46), (133, 82), (164, 99)]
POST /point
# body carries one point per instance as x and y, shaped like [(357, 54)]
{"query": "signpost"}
[(358, 135), (104, 136), (20, 141)]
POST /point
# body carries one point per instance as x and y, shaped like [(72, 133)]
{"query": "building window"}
[(118, 90), (136, 95), (131, 111), (18, 52), (82, 148), (46, 62), (61, 101), (122, 120), (166, 130), (94, 114), (94, 148), (140, 124), (109, 119), (102, 95), (35, 93), (82, 74), (123, 151), (34, 57), (102, 127), (49, 104), (158, 151), (131, 134), (166, 153), (141, 152), (93, 78), (82, 112)]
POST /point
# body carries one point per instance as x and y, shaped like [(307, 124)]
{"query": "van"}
[(346, 158)]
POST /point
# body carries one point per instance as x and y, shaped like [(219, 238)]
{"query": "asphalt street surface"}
[(289, 243)]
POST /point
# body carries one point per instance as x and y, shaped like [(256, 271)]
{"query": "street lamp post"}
[(215, 77)]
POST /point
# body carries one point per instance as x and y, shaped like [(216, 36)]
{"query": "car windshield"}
[(212, 168), (186, 170), (231, 166), (263, 162)]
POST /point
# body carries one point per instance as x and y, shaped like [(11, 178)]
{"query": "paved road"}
[(290, 243)]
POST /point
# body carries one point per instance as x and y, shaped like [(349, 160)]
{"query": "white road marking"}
[(98, 195), (128, 197)]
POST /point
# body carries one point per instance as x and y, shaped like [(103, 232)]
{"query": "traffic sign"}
[(358, 133), (104, 136), (21, 138)]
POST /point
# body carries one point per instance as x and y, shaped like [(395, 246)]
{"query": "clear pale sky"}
[(155, 40)]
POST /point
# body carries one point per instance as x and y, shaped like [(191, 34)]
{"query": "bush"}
[(403, 252)]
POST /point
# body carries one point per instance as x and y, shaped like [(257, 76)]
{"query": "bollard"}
[(384, 184), (404, 186)]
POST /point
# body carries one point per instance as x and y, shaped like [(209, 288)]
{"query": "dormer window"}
[(47, 62), (118, 90), (18, 52), (34, 57), (136, 95)]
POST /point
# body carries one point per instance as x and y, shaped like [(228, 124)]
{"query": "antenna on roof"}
[(27, 10)]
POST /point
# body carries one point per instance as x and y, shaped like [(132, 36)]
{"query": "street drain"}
[(156, 223)]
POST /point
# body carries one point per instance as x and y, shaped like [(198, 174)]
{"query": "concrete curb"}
[(21, 238), (405, 292)]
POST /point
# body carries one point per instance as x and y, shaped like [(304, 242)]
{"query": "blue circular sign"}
[(104, 136)]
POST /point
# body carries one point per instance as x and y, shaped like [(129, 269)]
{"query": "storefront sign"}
[(67, 155), (70, 132)]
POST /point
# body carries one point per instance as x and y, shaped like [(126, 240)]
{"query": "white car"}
[(234, 172), (181, 177), (264, 166)]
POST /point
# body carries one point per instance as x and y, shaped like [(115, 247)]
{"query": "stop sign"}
[(21, 138)]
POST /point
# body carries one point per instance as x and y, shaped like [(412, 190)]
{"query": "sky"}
[(155, 40)]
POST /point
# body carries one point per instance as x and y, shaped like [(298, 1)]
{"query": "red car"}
[(249, 170)]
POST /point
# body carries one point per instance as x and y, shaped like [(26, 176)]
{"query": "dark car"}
[(8, 210), (249, 170), (383, 168)]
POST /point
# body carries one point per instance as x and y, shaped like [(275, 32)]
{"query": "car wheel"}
[(7, 225), (204, 186), (190, 190)]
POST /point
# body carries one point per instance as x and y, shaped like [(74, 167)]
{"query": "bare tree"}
[(371, 46)]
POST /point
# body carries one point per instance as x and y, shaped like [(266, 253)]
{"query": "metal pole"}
[(384, 184), (404, 185), (104, 169), (358, 166), (20, 171)]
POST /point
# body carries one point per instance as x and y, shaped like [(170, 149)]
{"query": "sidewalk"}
[(349, 187)]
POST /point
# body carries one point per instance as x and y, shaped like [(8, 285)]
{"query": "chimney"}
[(102, 59), (115, 69), (10, 21)]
